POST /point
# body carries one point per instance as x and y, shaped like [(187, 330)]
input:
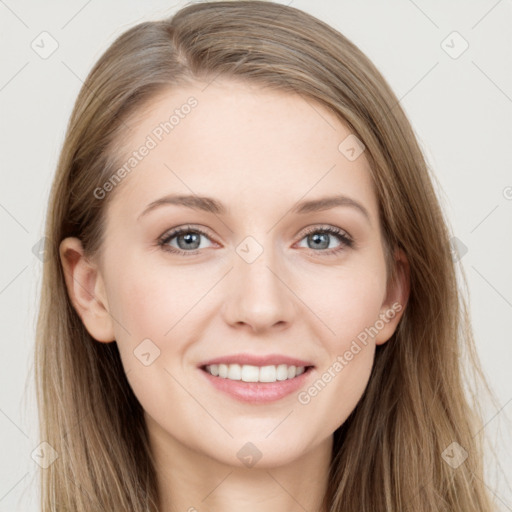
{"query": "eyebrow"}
[(211, 205)]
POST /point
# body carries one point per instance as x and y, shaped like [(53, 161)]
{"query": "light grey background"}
[(460, 108)]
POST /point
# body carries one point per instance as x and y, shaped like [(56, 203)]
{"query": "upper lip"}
[(256, 360)]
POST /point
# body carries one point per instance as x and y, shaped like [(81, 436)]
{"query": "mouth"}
[(257, 384), (257, 378), (252, 373)]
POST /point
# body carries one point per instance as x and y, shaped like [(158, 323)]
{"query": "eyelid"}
[(346, 240), (313, 228), (186, 227), (173, 232)]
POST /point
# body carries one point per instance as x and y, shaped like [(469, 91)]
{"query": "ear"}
[(86, 290), (397, 295)]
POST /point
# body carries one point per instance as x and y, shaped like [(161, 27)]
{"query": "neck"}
[(191, 481)]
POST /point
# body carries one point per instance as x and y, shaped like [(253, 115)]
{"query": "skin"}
[(259, 152)]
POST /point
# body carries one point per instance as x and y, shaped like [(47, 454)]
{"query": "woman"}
[(253, 300)]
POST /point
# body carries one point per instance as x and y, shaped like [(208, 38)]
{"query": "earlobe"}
[(396, 299), (86, 290)]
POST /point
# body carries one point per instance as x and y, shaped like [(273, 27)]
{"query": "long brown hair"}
[(387, 456)]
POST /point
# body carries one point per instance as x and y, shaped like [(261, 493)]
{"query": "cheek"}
[(157, 311), (349, 307), (150, 309), (345, 371), (346, 303), (151, 301)]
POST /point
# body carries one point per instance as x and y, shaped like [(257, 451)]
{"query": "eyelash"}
[(346, 241)]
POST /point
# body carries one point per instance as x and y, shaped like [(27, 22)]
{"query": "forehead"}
[(242, 143)]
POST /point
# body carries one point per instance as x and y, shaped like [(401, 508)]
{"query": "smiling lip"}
[(257, 392), (255, 360)]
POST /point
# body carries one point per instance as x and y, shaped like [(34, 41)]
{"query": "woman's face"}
[(255, 179)]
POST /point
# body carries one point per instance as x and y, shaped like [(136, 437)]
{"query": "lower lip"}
[(258, 392)]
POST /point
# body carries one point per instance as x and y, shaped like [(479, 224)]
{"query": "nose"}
[(258, 295)]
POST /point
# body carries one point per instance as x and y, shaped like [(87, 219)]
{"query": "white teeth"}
[(234, 372), (250, 373), (267, 374), (282, 372), (223, 370)]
